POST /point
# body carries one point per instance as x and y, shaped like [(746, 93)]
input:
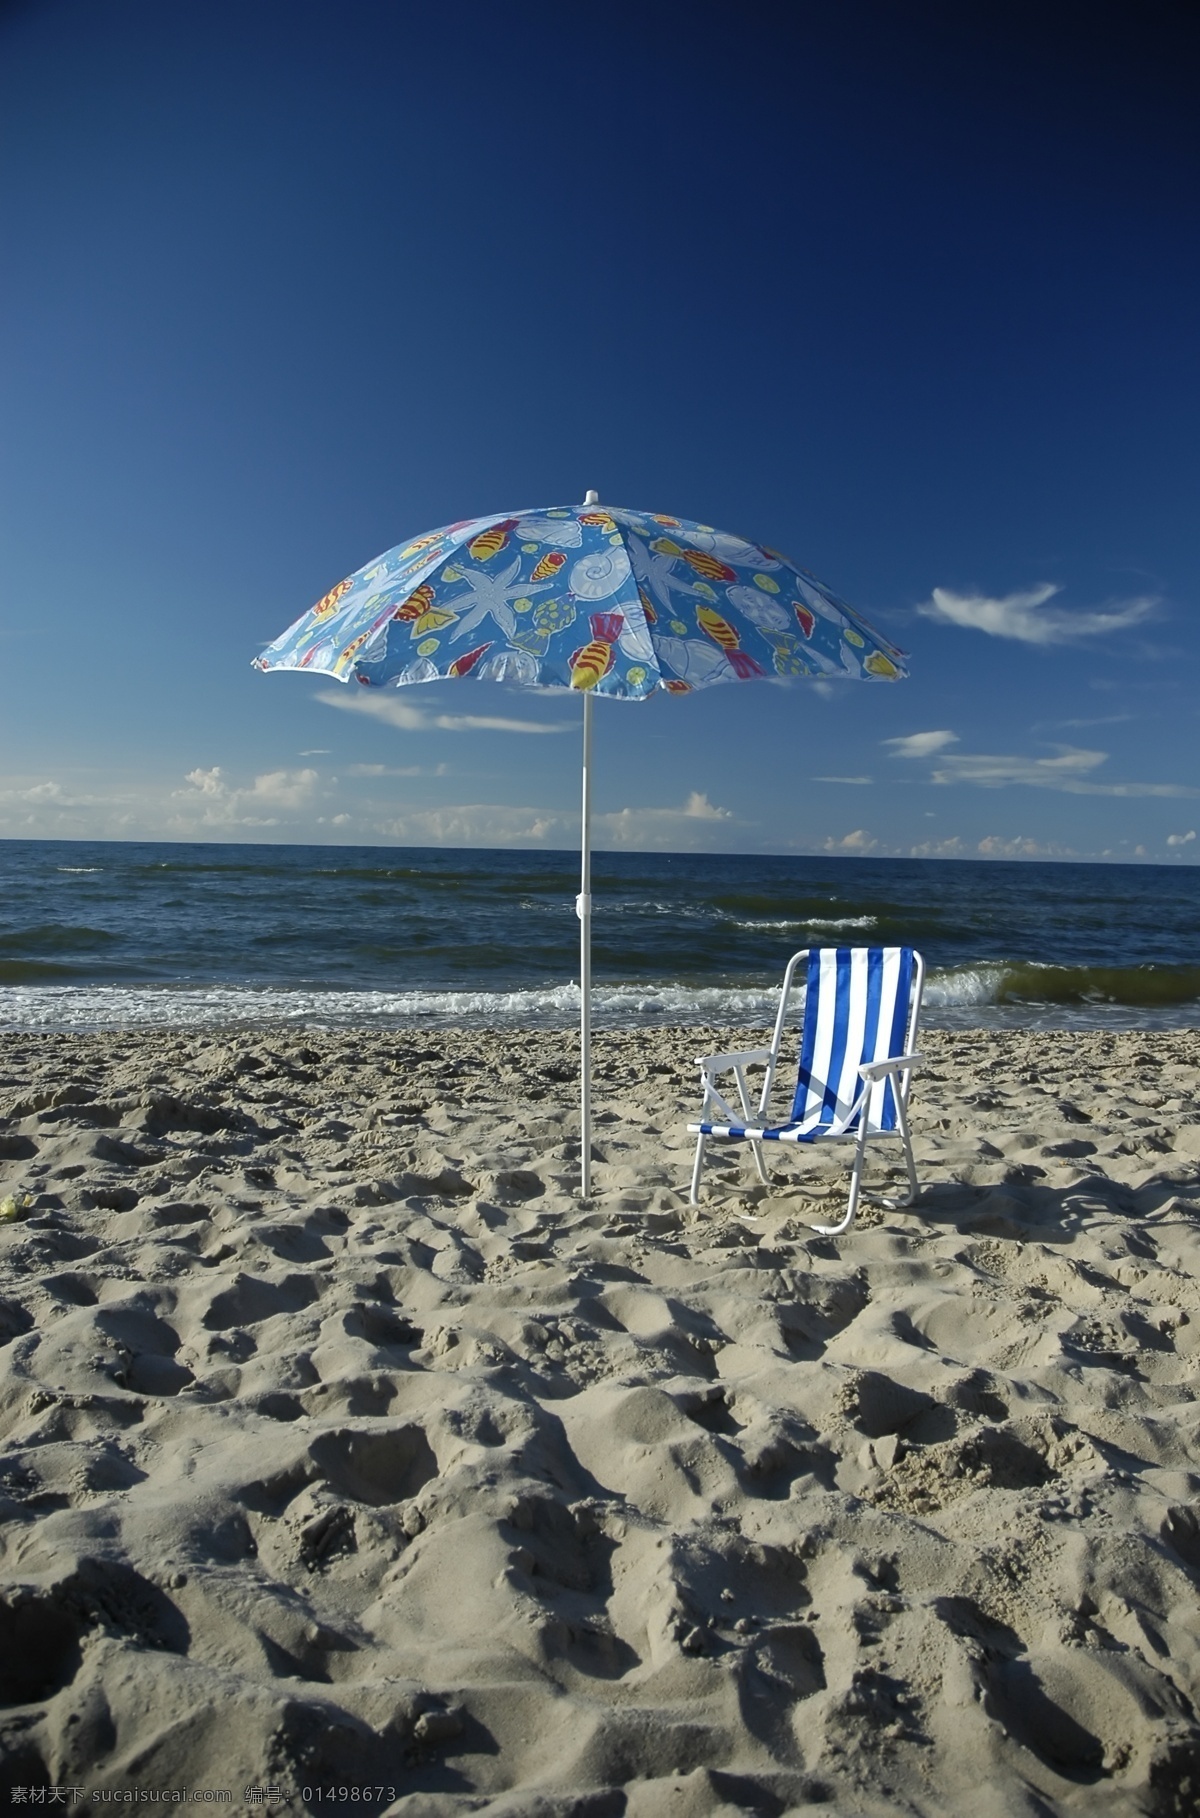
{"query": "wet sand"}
[(342, 1447)]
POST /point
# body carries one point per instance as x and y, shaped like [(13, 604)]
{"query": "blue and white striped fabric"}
[(856, 1011)]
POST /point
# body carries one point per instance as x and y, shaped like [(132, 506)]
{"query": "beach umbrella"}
[(595, 599)]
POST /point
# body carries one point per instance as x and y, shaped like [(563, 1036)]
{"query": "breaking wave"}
[(990, 994)]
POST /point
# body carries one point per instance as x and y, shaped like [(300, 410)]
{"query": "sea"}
[(118, 935)]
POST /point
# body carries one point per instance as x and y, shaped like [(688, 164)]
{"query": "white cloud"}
[(208, 782), (212, 801), (993, 846), (410, 718), (1107, 719), (920, 744), (1069, 772), (480, 824), (1021, 615), (395, 770), (1181, 839), (992, 772), (951, 847), (843, 779), (659, 828), (284, 788), (858, 841), (44, 808), (52, 795), (699, 808)]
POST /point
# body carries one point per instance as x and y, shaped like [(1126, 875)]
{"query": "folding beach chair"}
[(861, 1006)]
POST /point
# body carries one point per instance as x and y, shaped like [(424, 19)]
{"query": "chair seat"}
[(810, 1132)]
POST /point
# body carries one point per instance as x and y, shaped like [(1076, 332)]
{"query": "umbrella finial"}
[(593, 498)]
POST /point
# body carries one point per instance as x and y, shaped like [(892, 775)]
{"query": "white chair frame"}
[(856, 1124)]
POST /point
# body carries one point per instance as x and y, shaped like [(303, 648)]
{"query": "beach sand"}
[(342, 1447)]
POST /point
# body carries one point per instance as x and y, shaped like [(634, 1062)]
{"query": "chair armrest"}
[(898, 1063), (720, 1063)]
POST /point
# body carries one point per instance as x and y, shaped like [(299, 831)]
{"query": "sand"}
[(342, 1448)]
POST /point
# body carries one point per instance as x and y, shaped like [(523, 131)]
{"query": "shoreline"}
[(341, 1443), (208, 1010)]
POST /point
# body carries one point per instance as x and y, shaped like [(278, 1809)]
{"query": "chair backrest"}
[(861, 1004)]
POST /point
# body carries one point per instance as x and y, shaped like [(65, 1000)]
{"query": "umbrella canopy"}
[(590, 597), (596, 598)]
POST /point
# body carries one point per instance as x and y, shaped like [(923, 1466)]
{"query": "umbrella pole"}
[(583, 908)]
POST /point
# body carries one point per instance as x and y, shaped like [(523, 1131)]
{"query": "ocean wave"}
[(821, 924), (1029, 983), (554, 1006), (985, 995), (15, 973), (964, 986), (55, 937)]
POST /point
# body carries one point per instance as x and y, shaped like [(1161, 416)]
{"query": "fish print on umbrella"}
[(709, 567), (324, 607), (670, 605), (420, 613), (593, 662), (722, 634), (490, 542)]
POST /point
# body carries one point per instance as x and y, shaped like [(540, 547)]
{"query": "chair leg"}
[(914, 1187), (759, 1164), (694, 1197), (860, 1150)]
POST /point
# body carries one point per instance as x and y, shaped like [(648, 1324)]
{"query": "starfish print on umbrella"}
[(653, 569), (489, 597)]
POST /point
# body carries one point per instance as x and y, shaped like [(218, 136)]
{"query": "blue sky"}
[(907, 291)]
